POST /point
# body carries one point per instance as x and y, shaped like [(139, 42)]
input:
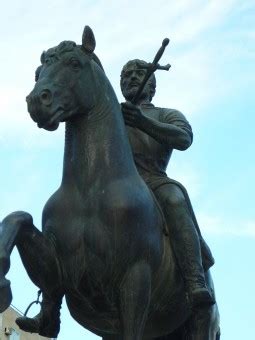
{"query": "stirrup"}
[(34, 302)]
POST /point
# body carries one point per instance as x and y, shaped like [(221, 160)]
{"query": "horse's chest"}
[(105, 231)]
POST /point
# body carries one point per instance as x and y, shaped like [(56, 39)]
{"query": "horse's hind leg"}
[(135, 293), (37, 254)]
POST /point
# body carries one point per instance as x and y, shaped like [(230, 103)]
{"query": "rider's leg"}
[(185, 242), (40, 260)]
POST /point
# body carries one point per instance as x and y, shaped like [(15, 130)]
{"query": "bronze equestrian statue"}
[(104, 242)]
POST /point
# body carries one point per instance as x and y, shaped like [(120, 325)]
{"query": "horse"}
[(102, 243)]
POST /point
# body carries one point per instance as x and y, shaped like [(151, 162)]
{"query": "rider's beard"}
[(130, 92)]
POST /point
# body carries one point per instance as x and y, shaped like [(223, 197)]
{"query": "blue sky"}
[(212, 53)]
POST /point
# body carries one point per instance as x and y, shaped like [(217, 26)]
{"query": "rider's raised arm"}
[(171, 129)]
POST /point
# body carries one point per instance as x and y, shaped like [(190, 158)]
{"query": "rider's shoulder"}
[(172, 114), (165, 114)]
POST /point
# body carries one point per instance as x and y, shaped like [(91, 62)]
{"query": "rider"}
[(153, 133)]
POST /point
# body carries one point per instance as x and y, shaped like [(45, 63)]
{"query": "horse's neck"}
[(96, 146)]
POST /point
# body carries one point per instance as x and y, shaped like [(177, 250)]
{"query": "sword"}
[(151, 68)]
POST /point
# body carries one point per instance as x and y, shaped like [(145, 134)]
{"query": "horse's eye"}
[(75, 63), (47, 62)]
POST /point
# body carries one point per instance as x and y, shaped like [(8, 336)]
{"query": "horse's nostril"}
[(46, 97)]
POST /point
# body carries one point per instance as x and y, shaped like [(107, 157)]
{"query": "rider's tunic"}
[(151, 159)]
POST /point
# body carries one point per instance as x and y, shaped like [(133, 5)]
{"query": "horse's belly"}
[(98, 310), (105, 234), (101, 322)]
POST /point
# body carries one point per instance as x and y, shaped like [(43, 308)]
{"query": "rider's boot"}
[(198, 293), (190, 262), (46, 323), (187, 249)]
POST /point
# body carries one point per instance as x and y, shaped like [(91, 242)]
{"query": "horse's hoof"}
[(48, 328), (5, 294)]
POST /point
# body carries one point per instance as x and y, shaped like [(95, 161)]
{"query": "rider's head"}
[(131, 77)]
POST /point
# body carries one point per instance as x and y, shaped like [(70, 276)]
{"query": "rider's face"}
[(132, 78)]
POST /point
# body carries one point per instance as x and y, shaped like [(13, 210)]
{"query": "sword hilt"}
[(151, 68), (160, 52)]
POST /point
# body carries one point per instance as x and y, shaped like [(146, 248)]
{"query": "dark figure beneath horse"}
[(102, 243)]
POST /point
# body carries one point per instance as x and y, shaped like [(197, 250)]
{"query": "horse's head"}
[(64, 82)]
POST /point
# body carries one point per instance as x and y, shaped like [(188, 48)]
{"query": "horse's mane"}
[(53, 54)]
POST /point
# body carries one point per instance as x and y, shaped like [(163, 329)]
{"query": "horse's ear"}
[(88, 40), (43, 57)]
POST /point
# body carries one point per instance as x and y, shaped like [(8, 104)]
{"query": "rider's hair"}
[(138, 63)]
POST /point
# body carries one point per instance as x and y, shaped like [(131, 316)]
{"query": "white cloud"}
[(16, 125), (201, 18), (192, 82), (187, 175), (219, 226), (12, 104), (123, 31)]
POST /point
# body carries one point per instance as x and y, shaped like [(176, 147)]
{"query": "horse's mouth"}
[(54, 121), (49, 126)]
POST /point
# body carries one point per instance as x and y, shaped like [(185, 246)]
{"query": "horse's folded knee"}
[(19, 217), (4, 262), (5, 294)]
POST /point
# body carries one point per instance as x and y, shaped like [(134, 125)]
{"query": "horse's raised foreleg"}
[(37, 254), (9, 231), (135, 294)]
